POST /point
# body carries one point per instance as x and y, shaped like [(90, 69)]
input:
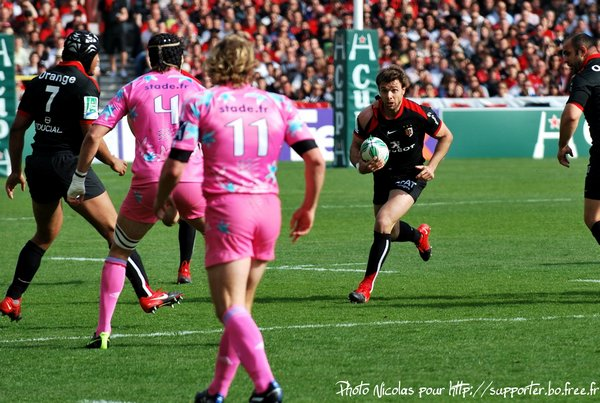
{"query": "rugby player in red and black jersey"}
[(581, 53), (62, 103), (402, 124)]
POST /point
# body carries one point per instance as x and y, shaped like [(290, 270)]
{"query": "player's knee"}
[(44, 237), (384, 225), (123, 241), (595, 228)]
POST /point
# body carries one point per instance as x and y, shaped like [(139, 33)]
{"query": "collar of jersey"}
[(589, 59), (74, 63)]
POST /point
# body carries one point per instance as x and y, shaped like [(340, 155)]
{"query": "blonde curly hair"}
[(231, 61)]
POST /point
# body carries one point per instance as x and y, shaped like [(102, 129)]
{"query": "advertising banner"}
[(356, 65), (8, 98), (526, 132), (121, 142)]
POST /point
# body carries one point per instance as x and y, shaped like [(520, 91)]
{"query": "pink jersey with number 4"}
[(241, 131), (152, 104)]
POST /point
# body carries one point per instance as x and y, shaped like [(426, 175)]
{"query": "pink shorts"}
[(240, 226), (139, 202)]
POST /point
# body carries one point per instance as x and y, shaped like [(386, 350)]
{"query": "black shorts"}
[(115, 42), (592, 181), (382, 186), (49, 177)]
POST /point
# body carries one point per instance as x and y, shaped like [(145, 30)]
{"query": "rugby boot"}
[(102, 341), (160, 298), (183, 275), (205, 397), (273, 394), (423, 245), (11, 308), (363, 293)]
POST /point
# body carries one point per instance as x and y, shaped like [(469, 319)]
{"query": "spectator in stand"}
[(503, 91), (22, 53), (31, 68), (470, 29), (316, 93), (114, 16), (72, 9)]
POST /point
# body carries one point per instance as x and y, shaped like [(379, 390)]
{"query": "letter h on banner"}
[(552, 134)]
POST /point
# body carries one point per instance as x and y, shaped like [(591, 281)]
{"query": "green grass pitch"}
[(509, 299)]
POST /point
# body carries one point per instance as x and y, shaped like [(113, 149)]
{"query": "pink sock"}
[(225, 368), (246, 339), (113, 279)]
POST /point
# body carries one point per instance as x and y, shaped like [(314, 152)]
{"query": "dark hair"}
[(391, 73), (165, 51), (81, 46), (579, 40)]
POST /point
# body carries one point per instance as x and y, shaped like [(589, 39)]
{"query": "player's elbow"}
[(314, 159)]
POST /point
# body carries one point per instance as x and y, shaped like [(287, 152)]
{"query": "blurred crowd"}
[(449, 48)]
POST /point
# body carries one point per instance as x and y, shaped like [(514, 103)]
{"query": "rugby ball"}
[(374, 147)]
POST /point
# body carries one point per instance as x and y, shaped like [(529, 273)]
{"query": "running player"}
[(402, 125), (63, 102), (151, 103), (241, 129)]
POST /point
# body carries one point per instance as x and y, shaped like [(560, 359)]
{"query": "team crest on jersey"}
[(408, 131)]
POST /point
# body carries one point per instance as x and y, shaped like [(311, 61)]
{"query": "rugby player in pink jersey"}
[(152, 103), (241, 129)]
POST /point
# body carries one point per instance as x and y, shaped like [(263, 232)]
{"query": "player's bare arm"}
[(362, 166), (314, 177), (15, 147), (169, 177), (444, 139), (568, 124), (89, 149)]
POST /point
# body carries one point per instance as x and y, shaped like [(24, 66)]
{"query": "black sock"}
[(407, 233), (136, 274), (187, 238), (378, 253), (596, 231), (27, 265)]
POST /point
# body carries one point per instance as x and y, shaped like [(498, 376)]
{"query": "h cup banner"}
[(8, 98), (520, 132), (356, 65)]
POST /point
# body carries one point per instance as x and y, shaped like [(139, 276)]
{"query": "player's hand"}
[(171, 215), (562, 156), (119, 166), (301, 223), (76, 190), (426, 172), (163, 210), (12, 181), (375, 164)]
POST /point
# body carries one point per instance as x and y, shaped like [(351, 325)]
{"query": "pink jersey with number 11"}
[(152, 103), (241, 131)]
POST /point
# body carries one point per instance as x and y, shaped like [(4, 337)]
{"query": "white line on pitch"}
[(77, 259), (457, 203), (420, 204), (305, 267), (320, 326), (583, 280)]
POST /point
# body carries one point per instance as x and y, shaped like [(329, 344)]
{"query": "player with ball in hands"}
[(402, 124)]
